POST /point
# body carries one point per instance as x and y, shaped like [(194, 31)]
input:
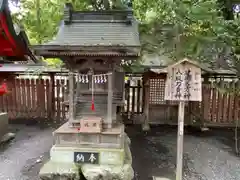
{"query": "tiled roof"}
[(91, 28)]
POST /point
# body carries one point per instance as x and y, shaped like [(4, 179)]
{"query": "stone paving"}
[(207, 156)]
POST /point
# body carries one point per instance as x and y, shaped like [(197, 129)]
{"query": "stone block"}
[(108, 138), (91, 124), (107, 156), (110, 172), (59, 171), (3, 124), (95, 172)]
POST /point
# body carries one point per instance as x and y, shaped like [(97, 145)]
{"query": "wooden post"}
[(181, 109), (146, 126), (110, 100), (71, 96), (183, 84)]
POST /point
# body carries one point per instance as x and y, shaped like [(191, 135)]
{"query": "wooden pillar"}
[(146, 93), (110, 100), (205, 104), (71, 96)]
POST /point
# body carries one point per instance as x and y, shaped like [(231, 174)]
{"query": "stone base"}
[(106, 156), (59, 171), (3, 125), (108, 138), (110, 172), (94, 172), (113, 164)]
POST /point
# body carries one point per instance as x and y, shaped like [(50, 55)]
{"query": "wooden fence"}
[(33, 98), (42, 98), (218, 107)]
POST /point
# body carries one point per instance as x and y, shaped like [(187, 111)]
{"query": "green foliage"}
[(173, 28), (194, 27)]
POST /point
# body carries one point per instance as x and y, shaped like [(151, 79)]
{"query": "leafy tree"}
[(182, 28), (174, 28)]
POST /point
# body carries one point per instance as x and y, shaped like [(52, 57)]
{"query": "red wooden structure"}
[(13, 41)]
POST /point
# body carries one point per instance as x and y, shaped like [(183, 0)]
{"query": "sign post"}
[(183, 84)]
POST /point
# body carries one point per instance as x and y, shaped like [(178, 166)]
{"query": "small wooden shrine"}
[(93, 44)]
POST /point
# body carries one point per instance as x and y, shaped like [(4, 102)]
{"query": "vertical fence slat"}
[(133, 99), (231, 103), (214, 104), (18, 97), (28, 98), (225, 107), (236, 103), (48, 99), (219, 107), (14, 102), (139, 96), (23, 98), (33, 97), (38, 98), (62, 99), (58, 99), (43, 100), (128, 96)]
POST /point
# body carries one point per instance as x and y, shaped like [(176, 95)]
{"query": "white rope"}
[(96, 78)]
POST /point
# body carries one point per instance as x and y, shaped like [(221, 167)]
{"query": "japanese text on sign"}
[(86, 157), (184, 83)]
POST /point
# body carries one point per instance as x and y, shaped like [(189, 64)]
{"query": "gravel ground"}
[(207, 156), (22, 157)]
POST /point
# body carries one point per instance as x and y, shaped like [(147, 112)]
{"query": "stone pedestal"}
[(73, 150)]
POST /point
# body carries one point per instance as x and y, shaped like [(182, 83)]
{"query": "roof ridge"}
[(97, 16)]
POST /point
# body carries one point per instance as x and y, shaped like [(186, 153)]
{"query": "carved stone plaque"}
[(91, 124)]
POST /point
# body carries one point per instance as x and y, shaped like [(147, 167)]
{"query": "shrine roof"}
[(13, 40), (90, 29), (159, 65)]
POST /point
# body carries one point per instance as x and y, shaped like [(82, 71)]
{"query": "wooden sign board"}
[(184, 82)]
